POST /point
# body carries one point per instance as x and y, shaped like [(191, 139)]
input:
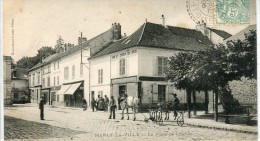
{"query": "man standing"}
[(112, 105), (106, 103), (93, 104), (176, 103), (41, 107)]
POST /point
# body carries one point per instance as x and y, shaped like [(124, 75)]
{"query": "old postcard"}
[(129, 70)]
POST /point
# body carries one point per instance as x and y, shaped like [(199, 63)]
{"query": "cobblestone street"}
[(22, 122)]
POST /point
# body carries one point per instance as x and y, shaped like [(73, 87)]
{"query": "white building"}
[(136, 64), (65, 75)]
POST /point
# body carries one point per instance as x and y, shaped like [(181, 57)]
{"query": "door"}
[(161, 93), (122, 90)]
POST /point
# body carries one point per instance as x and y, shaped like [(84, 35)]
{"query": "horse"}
[(129, 102)]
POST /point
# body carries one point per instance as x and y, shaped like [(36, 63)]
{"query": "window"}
[(54, 81), (100, 93), (58, 65), (43, 82), (49, 68), (33, 79), (81, 69), (66, 73), (161, 93), (122, 67), (43, 70), (100, 76), (38, 78), (162, 66), (58, 80), (58, 97), (54, 65), (48, 83), (29, 79), (73, 71)]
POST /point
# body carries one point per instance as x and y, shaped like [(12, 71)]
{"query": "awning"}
[(73, 88), (63, 89)]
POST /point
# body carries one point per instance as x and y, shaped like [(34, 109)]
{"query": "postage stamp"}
[(232, 11)]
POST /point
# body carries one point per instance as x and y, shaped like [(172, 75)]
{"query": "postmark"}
[(232, 11), (202, 10)]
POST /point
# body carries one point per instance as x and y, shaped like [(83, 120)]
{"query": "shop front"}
[(126, 85), (72, 94)]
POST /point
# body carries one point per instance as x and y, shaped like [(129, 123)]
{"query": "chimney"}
[(202, 27), (116, 31), (163, 20), (84, 39)]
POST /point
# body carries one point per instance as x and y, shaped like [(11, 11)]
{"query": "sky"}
[(29, 25)]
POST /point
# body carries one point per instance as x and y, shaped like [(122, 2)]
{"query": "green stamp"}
[(232, 11)]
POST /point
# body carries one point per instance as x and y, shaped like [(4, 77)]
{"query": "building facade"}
[(20, 86), (136, 64), (7, 62), (64, 76)]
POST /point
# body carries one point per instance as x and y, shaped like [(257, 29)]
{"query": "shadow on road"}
[(22, 129)]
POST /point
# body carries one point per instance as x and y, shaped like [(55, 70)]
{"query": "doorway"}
[(122, 90)]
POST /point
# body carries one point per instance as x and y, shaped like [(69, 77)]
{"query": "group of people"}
[(105, 104), (101, 104)]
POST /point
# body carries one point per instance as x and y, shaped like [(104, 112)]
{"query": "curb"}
[(221, 128)]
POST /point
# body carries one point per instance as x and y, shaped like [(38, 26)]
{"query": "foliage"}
[(214, 68), (207, 70), (29, 62)]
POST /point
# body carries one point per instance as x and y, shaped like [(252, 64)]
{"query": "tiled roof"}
[(241, 35), (221, 33), (72, 50), (158, 36)]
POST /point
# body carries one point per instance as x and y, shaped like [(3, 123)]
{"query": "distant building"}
[(7, 62), (20, 87)]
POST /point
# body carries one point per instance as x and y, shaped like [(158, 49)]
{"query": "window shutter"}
[(155, 89), (160, 66)]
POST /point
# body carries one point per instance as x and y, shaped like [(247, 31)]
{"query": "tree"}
[(214, 68), (59, 45), (29, 62)]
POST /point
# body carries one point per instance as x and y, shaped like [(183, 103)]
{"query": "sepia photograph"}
[(132, 70)]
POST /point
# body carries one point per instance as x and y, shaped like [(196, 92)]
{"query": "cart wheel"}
[(180, 121)]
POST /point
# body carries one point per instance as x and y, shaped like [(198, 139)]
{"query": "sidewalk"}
[(197, 121), (209, 123)]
